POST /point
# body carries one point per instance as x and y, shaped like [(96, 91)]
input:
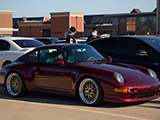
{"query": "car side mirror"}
[(59, 61), (142, 53), (109, 58)]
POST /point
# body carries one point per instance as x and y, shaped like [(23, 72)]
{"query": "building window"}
[(152, 25), (146, 24), (141, 25), (131, 25), (122, 26), (6, 35), (46, 32)]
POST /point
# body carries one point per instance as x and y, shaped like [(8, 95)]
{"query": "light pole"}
[(158, 18)]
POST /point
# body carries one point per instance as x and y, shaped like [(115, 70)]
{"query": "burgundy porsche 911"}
[(79, 70)]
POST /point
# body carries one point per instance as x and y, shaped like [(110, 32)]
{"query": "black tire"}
[(15, 85), (90, 91)]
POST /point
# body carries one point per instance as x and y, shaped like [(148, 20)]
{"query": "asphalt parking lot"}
[(47, 106)]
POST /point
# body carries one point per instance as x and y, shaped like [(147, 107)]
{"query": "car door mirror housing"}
[(142, 53), (59, 61), (109, 59)]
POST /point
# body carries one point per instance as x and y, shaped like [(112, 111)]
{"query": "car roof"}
[(138, 36), (16, 38), (47, 38), (143, 38), (64, 44), (59, 45)]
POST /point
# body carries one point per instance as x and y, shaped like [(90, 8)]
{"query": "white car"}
[(78, 40), (13, 47)]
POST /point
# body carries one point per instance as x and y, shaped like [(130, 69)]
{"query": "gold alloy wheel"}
[(14, 84), (88, 91)]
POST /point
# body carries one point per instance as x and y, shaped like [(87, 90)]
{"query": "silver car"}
[(13, 47)]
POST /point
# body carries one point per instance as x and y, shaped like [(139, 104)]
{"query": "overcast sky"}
[(41, 8)]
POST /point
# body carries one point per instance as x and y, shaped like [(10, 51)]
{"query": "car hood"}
[(129, 72)]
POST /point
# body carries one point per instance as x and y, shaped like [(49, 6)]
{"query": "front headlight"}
[(152, 73), (119, 77)]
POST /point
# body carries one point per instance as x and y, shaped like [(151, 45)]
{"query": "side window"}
[(109, 45), (49, 55), (4, 45), (130, 46), (96, 44), (31, 57), (150, 51)]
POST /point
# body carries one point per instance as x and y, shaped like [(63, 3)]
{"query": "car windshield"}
[(28, 43), (153, 41), (81, 53)]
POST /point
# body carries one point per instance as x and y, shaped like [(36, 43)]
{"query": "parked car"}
[(78, 40), (48, 40), (78, 69), (138, 50), (81, 40), (13, 47)]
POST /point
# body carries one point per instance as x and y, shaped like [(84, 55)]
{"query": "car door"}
[(107, 47), (137, 52), (4, 47), (51, 75)]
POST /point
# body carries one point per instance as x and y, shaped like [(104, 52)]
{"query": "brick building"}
[(57, 26), (6, 23), (61, 22), (33, 27), (133, 23)]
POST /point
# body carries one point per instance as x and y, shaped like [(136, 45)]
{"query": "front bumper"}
[(136, 95)]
